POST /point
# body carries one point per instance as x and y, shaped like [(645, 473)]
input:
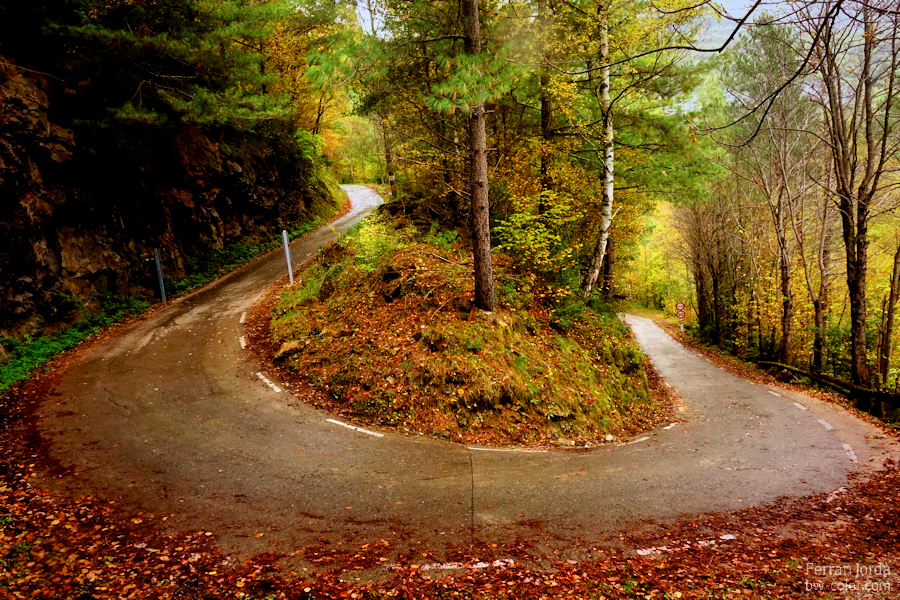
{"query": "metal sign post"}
[(162, 286), (287, 254), (680, 308)]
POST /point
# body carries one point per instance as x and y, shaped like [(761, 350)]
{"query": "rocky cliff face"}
[(81, 208)]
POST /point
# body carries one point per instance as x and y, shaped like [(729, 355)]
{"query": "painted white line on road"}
[(243, 318), (825, 424), (243, 342), (850, 452), (800, 406), (835, 494), (359, 429), (643, 439), (685, 546), (507, 450), (451, 566), (774, 393), (267, 382), (670, 426)]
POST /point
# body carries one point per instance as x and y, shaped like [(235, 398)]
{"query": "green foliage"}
[(567, 315), (356, 150), (372, 242), (444, 240), (298, 296), (309, 145), (29, 354), (202, 60), (510, 293), (541, 243)]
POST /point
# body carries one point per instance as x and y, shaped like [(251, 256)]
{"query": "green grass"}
[(27, 354)]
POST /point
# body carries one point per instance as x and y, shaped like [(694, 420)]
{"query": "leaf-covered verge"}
[(54, 546), (383, 321)]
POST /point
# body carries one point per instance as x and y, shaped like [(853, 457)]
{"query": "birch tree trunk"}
[(546, 116), (593, 272)]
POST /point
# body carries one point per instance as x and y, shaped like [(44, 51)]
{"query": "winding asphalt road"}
[(170, 418)]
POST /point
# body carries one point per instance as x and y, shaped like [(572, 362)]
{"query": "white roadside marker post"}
[(287, 254), (159, 273)]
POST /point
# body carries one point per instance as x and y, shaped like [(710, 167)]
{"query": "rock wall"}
[(81, 208)]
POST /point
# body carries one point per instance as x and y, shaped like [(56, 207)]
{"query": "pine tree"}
[(197, 61)]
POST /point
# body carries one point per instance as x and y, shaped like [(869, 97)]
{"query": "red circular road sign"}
[(680, 306), (680, 314)]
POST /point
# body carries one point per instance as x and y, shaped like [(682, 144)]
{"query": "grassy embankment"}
[(383, 321)]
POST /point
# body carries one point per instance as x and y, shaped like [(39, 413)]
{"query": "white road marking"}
[(670, 426), (774, 393), (643, 439), (825, 424), (506, 449), (835, 494), (685, 546), (359, 429), (243, 342), (243, 318), (267, 382), (450, 566), (800, 406), (850, 452)]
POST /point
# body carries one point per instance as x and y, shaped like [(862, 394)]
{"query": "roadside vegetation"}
[(212, 263), (384, 321), (21, 357), (26, 355)]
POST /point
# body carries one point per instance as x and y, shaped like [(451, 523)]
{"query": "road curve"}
[(170, 418)]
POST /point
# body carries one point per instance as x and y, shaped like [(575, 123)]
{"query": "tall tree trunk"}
[(856, 245), (820, 300), (760, 340), (819, 305), (786, 351), (546, 116), (702, 285), (478, 176), (593, 272), (609, 270), (388, 155), (887, 330)]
